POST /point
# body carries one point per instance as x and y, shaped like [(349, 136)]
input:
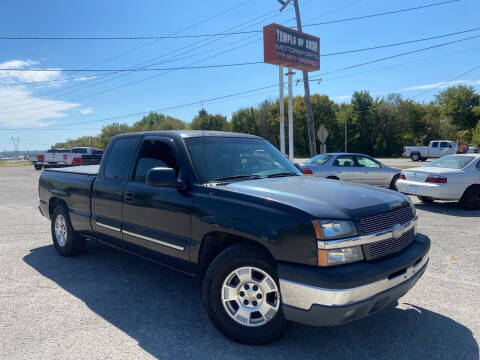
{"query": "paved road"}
[(106, 304)]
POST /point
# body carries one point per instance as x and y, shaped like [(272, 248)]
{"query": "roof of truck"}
[(190, 133)]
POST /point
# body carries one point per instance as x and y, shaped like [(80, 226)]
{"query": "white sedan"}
[(452, 177)]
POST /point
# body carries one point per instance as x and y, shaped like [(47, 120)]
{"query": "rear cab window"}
[(119, 158), (435, 144)]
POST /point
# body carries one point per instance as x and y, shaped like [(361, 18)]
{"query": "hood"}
[(321, 198)]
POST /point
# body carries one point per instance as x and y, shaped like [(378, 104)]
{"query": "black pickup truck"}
[(270, 245)]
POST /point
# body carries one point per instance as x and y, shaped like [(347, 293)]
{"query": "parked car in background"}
[(435, 149), (472, 150), (63, 157), (358, 168), (269, 245), (453, 177)]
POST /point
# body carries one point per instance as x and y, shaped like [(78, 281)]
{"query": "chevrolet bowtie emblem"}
[(397, 231)]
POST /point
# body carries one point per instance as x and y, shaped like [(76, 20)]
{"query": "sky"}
[(69, 104)]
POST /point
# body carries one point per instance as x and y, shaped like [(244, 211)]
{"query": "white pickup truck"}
[(63, 157), (436, 149)]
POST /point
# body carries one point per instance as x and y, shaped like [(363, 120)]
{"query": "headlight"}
[(334, 229), (339, 256), (410, 202)]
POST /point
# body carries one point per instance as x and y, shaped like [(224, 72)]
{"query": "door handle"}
[(129, 197)]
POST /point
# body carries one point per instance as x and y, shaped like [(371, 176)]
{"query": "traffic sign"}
[(322, 134)]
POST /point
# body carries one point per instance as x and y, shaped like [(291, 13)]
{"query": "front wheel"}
[(471, 198), (425, 199), (37, 166), (241, 295), (66, 241)]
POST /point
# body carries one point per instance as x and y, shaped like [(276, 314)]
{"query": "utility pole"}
[(345, 121), (310, 125)]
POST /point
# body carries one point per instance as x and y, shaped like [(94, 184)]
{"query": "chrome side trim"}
[(181, 248), (108, 226), (304, 296), (365, 239)]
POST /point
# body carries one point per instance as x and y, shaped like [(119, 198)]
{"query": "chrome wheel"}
[(250, 296), (61, 231)]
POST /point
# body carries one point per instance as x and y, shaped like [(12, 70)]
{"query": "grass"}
[(14, 163)]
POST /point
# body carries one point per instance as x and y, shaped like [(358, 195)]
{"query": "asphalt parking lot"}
[(107, 304)]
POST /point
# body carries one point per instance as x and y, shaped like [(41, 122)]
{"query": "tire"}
[(471, 198), (37, 166), (415, 157), (248, 295), (425, 199), (333, 178), (65, 240), (393, 183)]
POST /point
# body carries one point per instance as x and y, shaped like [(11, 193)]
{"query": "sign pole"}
[(290, 114), (310, 124), (282, 110), (345, 120)]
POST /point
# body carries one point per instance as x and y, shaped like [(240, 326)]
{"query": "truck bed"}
[(73, 185), (85, 170)]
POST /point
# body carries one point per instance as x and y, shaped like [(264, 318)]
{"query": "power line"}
[(399, 43), (394, 56), (446, 82), (186, 36), (382, 13), (138, 69), (114, 71)]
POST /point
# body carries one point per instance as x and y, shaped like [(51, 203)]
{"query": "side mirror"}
[(164, 177)]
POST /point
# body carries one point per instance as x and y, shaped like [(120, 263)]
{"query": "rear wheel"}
[(66, 241), (471, 198), (241, 295), (425, 199), (37, 166), (415, 157)]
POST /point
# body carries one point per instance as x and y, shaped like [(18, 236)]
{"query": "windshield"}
[(220, 158), (319, 159), (451, 162)]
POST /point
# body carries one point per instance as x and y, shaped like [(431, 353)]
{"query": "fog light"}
[(339, 256)]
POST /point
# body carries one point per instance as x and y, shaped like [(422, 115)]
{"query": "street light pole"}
[(345, 121), (290, 114), (282, 110)]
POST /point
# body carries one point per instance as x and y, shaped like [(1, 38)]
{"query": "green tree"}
[(110, 131), (155, 121), (205, 121), (457, 103)]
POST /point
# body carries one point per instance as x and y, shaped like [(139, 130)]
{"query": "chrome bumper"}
[(303, 296)]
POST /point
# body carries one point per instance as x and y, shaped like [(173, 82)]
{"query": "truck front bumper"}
[(333, 296)]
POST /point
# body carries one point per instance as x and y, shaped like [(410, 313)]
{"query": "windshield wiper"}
[(282, 174), (238, 177)]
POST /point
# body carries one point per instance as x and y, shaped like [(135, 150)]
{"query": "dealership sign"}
[(284, 46)]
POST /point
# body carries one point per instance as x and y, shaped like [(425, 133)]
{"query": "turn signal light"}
[(436, 179), (307, 171), (402, 177)]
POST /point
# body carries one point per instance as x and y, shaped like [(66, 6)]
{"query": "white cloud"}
[(442, 84), (83, 78), (19, 106), (86, 111), (8, 77), (35, 111)]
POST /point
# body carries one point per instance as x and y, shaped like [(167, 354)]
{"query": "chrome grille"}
[(387, 220), (386, 247)]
